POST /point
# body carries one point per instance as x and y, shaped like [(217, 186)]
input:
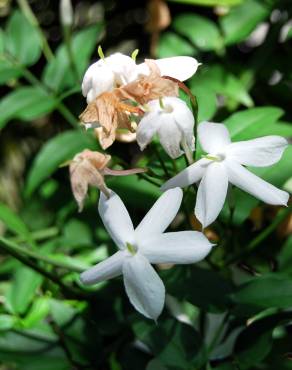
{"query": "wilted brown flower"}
[(89, 168), (110, 113), (149, 87), (86, 169)]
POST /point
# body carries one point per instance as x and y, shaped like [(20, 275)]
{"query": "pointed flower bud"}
[(66, 13)]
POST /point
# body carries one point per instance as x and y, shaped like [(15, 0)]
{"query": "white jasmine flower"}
[(173, 121), (119, 69), (224, 163), (108, 73), (146, 244)]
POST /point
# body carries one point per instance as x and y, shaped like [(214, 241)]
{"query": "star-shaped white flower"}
[(146, 244), (172, 121), (119, 69), (224, 163)]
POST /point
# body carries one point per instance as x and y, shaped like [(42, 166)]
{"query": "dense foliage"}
[(231, 311)]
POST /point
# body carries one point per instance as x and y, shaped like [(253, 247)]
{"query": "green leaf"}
[(248, 124), (201, 31), (2, 38), (12, 222), (242, 20), (155, 364), (209, 2), (26, 103), (55, 152), (6, 322), (220, 81), (8, 71), (255, 342), (171, 44), (23, 288), (203, 288), (207, 102), (76, 234), (38, 311), (267, 291), (22, 40), (58, 74), (173, 343), (285, 256), (143, 194)]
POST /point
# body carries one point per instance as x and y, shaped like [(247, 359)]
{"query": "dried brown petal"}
[(111, 113), (87, 169), (149, 87)]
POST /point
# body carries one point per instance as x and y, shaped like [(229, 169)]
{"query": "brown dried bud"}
[(89, 168), (86, 169)]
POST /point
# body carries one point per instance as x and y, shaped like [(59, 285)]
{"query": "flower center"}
[(215, 157), (166, 108), (131, 248)]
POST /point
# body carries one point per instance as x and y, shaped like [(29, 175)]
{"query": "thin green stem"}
[(156, 152), (66, 113), (47, 274), (27, 11), (283, 213), (37, 235), (12, 246), (217, 334), (146, 178), (68, 44)]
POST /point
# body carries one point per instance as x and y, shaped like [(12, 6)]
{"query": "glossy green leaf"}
[(173, 343), (23, 289), (285, 256), (8, 71), (203, 288), (155, 364), (171, 44), (247, 124), (26, 103), (22, 41), (58, 73), (272, 290), (13, 222), (201, 31), (2, 38), (143, 194), (55, 152), (38, 311), (207, 102), (255, 342), (220, 81), (76, 234), (242, 20), (6, 322)]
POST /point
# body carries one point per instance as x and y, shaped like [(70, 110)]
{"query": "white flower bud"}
[(66, 13)]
